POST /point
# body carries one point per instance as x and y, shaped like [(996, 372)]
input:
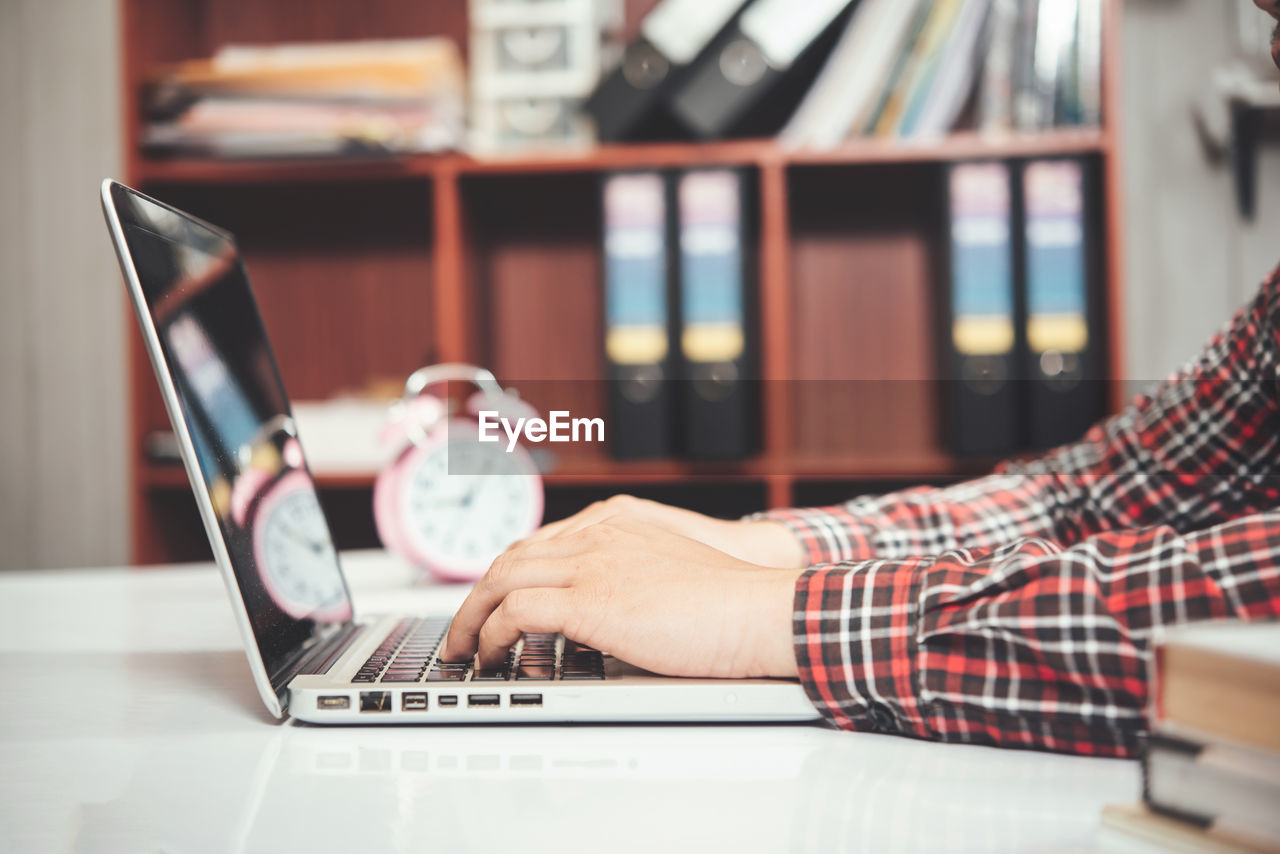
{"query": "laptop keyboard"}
[(408, 654)]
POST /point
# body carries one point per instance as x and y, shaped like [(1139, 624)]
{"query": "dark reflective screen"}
[(234, 406)]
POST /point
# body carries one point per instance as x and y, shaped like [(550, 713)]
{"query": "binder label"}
[(1056, 293), (711, 274), (635, 269), (982, 266)]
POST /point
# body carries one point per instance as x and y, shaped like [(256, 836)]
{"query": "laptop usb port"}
[(375, 701), (446, 700), (483, 700), (526, 699), (415, 702), (333, 702)]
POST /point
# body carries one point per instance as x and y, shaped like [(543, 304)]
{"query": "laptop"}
[(310, 658)]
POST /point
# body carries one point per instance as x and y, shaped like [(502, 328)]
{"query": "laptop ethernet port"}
[(446, 700), (484, 700), (333, 702), (413, 702), (526, 699), (375, 701)]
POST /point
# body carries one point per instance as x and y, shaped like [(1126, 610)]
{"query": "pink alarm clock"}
[(448, 502)]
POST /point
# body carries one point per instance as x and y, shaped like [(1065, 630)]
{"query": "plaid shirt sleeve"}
[(1017, 609)]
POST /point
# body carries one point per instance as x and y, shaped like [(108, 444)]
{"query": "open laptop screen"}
[(233, 406)]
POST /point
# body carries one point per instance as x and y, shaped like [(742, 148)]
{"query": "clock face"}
[(295, 554), (464, 502)]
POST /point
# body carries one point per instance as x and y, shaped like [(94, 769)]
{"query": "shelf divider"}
[(450, 316), (775, 321)]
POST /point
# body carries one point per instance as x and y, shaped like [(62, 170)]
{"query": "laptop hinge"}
[(318, 656)]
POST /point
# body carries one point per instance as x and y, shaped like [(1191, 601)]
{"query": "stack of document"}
[(318, 99), (1211, 767)]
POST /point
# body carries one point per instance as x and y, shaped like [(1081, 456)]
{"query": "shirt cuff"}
[(854, 634), (827, 534)]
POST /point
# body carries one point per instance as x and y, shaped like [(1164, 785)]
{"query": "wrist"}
[(775, 654), (774, 544)]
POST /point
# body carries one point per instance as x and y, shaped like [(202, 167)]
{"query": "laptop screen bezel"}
[(272, 687)]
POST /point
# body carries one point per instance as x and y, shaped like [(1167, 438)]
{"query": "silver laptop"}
[(309, 657)]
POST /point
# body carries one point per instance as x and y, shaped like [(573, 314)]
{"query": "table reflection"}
[(624, 788)]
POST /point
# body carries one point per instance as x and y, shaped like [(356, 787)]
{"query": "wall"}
[(1190, 259), (62, 411)]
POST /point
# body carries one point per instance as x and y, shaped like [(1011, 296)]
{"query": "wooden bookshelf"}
[(371, 268)]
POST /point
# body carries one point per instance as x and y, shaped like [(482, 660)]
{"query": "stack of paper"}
[(323, 99)]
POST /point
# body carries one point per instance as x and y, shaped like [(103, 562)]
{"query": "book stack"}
[(316, 99), (1211, 767), (917, 69)]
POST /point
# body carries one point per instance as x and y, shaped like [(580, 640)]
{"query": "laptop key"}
[(497, 674), (446, 676), (535, 671)]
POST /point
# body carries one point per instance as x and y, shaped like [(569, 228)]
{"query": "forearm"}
[(1029, 645), (977, 514)]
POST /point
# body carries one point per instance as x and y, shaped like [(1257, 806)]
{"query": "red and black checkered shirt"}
[(1018, 609)]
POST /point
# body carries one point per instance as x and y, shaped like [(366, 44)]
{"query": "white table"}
[(129, 722)]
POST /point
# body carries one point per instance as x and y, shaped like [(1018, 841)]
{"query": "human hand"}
[(653, 598), (760, 543)]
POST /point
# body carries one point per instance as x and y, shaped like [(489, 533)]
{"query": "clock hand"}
[(302, 540), (443, 500)]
